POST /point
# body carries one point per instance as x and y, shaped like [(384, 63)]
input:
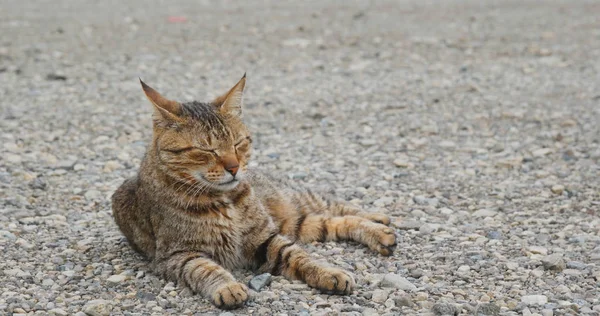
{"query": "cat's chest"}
[(227, 232)]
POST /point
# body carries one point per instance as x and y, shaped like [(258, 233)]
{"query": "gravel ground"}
[(474, 124)]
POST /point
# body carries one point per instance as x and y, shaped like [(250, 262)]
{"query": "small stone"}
[(547, 312), (484, 213), (557, 189), (421, 296), (541, 152), (421, 200), (115, 279), (447, 144), (396, 281), (407, 225), (512, 265), (7, 235), (97, 308), (429, 228), (464, 268), (446, 211), (47, 282), (538, 250), (553, 262), (145, 297), (58, 311), (66, 163), (404, 300), (494, 234), (401, 163), (534, 299), (379, 296), (445, 309), (487, 309), (38, 183), (12, 158), (93, 195), (485, 298), (17, 272), (226, 314), (538, 273), (576, 265), (111, 166), (416, 273), (260, 281)]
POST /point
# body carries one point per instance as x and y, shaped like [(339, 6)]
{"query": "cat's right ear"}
[(163, 107)]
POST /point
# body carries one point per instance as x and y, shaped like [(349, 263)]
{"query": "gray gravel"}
[(476, 125)]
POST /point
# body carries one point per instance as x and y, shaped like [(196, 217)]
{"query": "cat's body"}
[(195, 210)]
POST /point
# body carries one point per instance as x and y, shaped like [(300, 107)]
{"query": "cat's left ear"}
[(231, 102)]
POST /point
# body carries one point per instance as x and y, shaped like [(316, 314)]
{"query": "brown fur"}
[(196, 211)]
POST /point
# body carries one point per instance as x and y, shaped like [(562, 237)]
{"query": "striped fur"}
[(195, 215)]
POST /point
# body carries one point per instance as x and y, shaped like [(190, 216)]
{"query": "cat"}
[(195, 210)]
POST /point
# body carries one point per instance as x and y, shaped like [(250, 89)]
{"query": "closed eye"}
[(185, 149), (241, 141)]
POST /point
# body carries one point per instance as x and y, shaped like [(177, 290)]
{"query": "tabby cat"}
[(196, 211)]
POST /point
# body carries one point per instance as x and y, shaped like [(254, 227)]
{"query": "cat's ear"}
[(163, 107), (231, 102)]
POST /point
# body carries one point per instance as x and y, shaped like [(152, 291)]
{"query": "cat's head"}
[(205, 145)]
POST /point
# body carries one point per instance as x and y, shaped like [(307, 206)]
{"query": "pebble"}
[(487, 309), (379, 296), (58, 311), (404, 300), (445, 309), (553, 262), (116, 279), (534, 299), (576, 265), (93, 195), (538, 250), (97, 308), (408, 224), (547, 312), (396, 281), (558, 189), (484, 213), (260, 281), (111, 166)]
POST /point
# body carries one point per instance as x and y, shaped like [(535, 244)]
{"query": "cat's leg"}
[(281, 256), (314, 203), (337, 208), (319, 227), (201, 274)]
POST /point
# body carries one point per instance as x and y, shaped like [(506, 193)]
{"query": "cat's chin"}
[(227, 186)]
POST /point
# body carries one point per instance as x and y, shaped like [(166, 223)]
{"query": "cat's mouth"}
[(222, 185)]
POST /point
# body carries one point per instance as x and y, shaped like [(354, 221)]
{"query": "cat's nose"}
[(233, 169), (231, 164)]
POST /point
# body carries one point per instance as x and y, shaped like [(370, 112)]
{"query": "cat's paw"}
[(231, 295), (376, 217), (382, 239), (333, 280)]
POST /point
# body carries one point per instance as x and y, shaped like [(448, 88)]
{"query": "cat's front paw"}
[(332, 280), (382, 239), (231, 295)]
